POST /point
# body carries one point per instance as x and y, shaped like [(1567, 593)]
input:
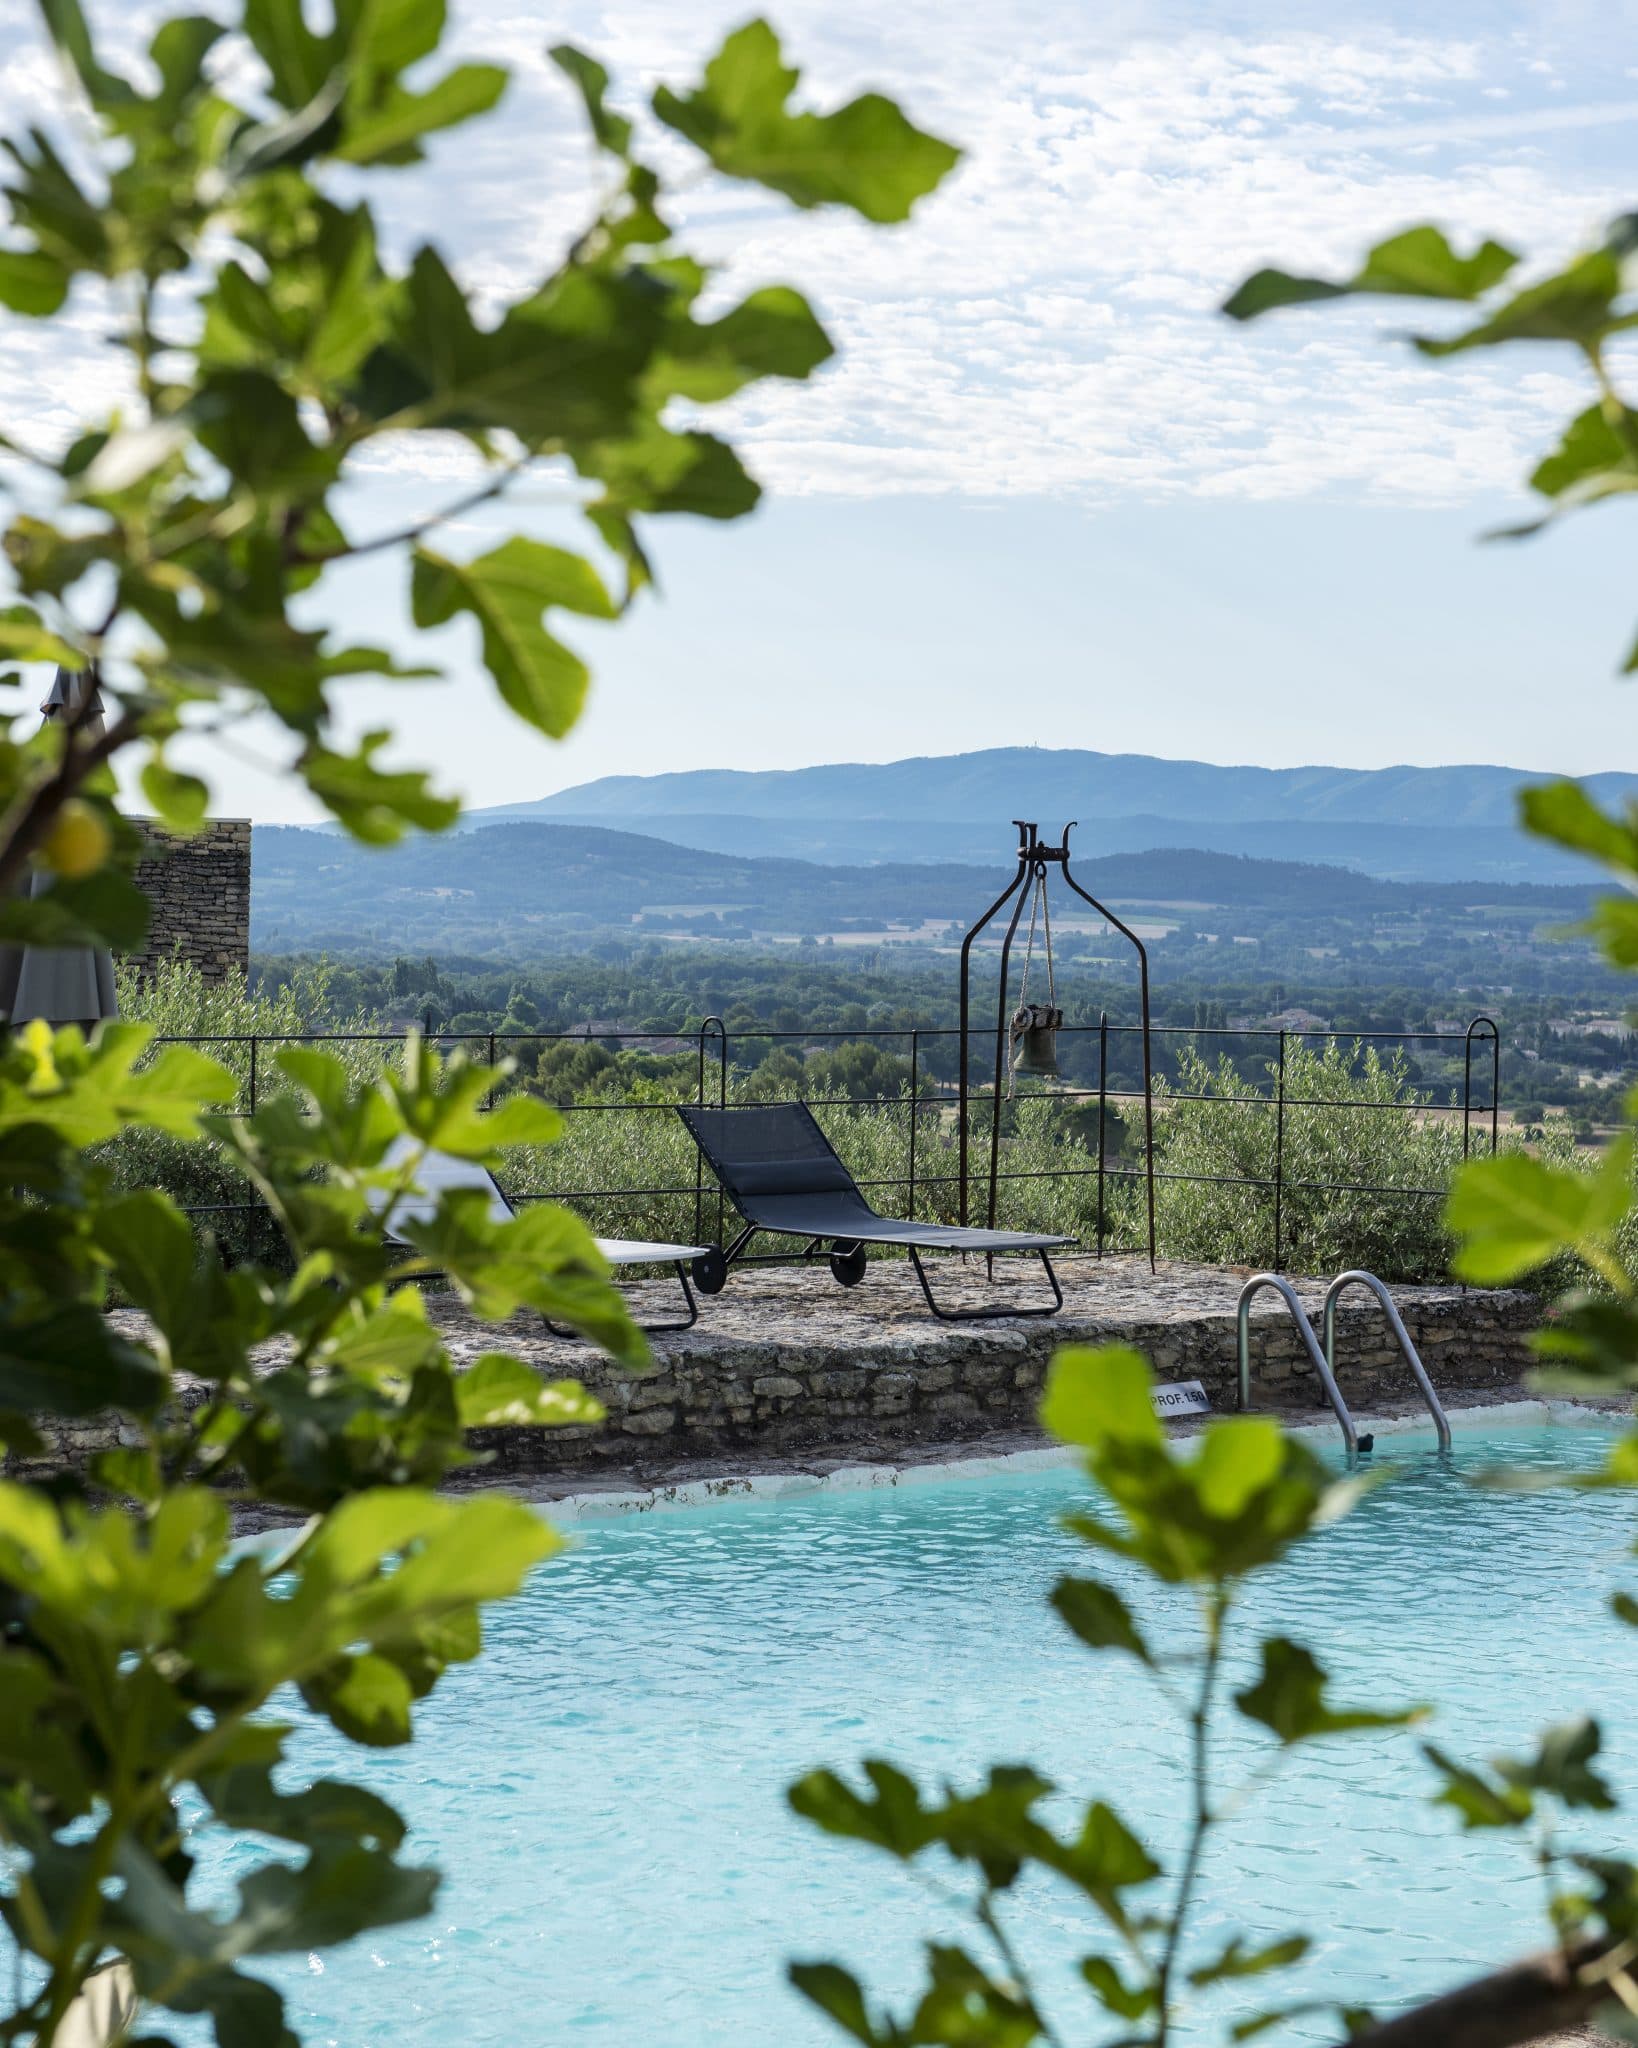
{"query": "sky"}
[(1046, 494)]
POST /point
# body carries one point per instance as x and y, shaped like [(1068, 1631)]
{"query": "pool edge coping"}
[(616, 1504)]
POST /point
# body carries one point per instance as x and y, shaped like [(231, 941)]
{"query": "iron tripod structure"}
[(1035, 857)]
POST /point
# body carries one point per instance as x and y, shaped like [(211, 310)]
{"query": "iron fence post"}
[(915, 1069), (253, 1073), (1279, 1157), (1495, 1090), (1480, 1025), (699, 1156), (1103, 1111), (1467, 1090), (722, 1103)]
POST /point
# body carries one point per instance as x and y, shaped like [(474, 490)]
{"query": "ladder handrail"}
[(1320, 1362), (1390, 1308)]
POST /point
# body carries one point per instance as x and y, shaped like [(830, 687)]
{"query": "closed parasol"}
[(63, 984)]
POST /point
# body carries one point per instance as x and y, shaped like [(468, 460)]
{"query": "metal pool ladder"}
[(1396, 1323), (1305, 1329), (1323, 1358)]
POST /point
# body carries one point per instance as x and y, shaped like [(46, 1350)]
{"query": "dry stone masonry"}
[(199, 893), (785, 1370)]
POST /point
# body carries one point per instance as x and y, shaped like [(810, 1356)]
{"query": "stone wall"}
[(785, 1369), (852, 1386), (199, 890)]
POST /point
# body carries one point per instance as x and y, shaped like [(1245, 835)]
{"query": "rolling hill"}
[(1410, 824), (519, 888)]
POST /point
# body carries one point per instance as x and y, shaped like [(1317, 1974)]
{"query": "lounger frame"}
[(846, 1249), (841, 1247), (620, 1252), (702, 1261)]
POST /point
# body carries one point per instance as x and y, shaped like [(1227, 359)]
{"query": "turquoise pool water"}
[(605, 1791)]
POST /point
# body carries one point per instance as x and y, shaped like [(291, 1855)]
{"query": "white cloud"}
[(1046, 324)]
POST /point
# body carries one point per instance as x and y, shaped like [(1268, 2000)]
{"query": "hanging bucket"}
[(1034, 1037)]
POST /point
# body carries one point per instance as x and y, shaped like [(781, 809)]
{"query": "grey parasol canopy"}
[(63, 984)]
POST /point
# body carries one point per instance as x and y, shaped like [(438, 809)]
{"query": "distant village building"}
[(1304, 1021)]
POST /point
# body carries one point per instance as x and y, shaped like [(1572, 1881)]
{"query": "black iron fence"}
[(1101, 1070)]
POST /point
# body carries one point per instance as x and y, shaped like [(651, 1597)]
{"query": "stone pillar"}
[(199, 893)]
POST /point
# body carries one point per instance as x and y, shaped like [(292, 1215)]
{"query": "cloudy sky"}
[(1047, 495)]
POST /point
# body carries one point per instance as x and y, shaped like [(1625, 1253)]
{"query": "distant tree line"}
[(1550, 1057)]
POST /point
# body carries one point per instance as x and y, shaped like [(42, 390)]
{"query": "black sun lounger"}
[(439, 1170), (782, 1174)]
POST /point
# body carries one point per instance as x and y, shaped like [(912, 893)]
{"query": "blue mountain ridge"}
[(1444, 824)]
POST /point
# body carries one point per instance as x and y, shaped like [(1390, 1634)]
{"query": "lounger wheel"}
[(710, 1272), (848, 1268)]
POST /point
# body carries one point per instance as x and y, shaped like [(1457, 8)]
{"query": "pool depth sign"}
[(1188, 1397)]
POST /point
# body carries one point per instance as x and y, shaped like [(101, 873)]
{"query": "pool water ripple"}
[(606, 1789)]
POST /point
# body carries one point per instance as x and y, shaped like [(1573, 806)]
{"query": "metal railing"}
[(1104, 1070)]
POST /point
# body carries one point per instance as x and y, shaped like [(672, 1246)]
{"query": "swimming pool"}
[(605, 1790)]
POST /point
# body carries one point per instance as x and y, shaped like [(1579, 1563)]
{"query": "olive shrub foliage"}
[(209, 210)]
